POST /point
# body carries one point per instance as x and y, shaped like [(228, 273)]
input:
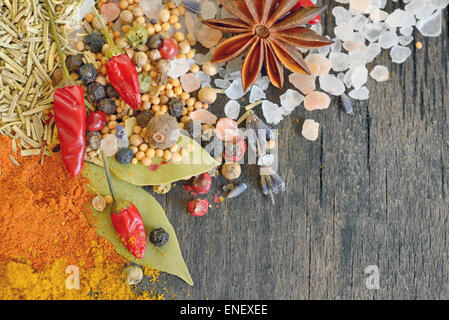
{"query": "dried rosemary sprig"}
[(27, 62)]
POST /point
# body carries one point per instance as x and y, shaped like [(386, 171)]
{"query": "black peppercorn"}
[(193, 128), (155, 42), (74, 62), (108, 106), (124, 156), (153, 21), (96, 91), (93, 139), (94, 42), (176, 107), (143, 117), (88, 73), (110, 91), (159, 237)]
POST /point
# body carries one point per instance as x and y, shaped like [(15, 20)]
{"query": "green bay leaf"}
[(195, 163), (167, 258)]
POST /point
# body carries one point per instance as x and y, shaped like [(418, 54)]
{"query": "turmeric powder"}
[(104, 281), (43, 230)]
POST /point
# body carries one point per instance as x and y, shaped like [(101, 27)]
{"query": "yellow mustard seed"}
[(159, 153), (141, 21), (150, 29), (108, 198), (150, 153), (157, 27), (167, 155), (177, 90), (179, 36), (140, 155), (143, 147), (173, 19), (182, 10), (146, 161), (112, 124), (195, 68)]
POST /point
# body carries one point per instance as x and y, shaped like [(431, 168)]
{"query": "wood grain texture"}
[(373, 190)]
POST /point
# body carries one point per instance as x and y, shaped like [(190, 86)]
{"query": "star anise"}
[(272, 31)]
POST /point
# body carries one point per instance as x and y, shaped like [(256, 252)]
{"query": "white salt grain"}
[(290, 100), (232, 109), (310, 130), (380, 73), (271, 112), (400, 54)]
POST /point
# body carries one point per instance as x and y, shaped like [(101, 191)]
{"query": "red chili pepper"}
[(121, 71), (198, 207), (201, 184), (127, 221), (307, 3), (70, 114), (124, 78), (70, 119), (129, 225)]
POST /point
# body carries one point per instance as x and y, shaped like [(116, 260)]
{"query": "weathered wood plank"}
[(372, 191)]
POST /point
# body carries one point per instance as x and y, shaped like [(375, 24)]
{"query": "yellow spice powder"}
[(104, 282)]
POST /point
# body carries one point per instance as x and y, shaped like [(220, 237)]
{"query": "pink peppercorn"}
[(169, 49), (198, 207), (96, 121), (201, 184)]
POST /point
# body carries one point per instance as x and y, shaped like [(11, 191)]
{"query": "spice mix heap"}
[(128, 95), (43, 231)]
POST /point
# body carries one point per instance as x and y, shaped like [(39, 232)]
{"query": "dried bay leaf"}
[(197, 162), (167, 258)]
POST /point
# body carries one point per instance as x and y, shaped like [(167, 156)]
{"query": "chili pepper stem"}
[(113, 49), (66, 78), (108, 176)]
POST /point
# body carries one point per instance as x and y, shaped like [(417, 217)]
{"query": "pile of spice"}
[(140, 125), (166, 101), (43, 231), (27, 62), (137, 83)]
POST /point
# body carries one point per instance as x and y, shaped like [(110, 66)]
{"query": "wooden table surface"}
[(372, 190)]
